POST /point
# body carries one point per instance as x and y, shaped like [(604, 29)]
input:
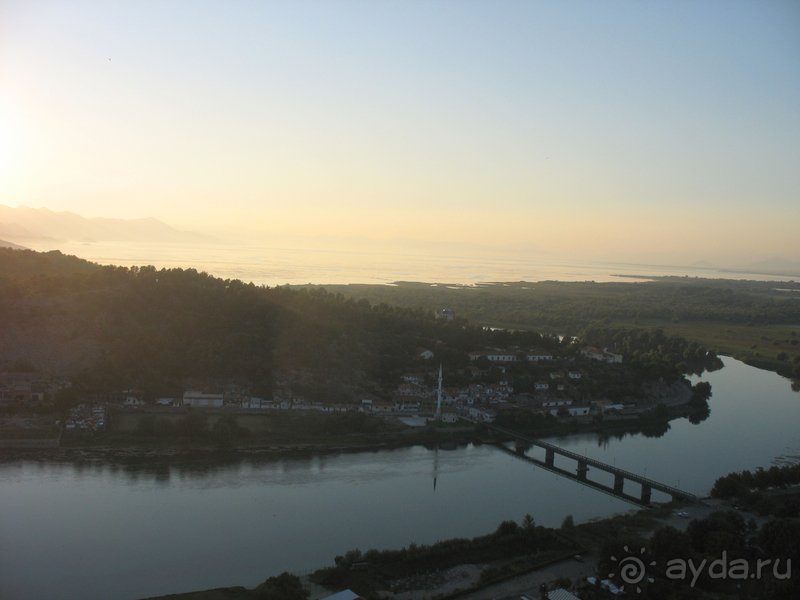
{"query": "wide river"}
[(95, 530)]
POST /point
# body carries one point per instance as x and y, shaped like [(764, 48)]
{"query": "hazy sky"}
[(603, 127)]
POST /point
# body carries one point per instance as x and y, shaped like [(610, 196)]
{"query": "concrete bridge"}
[(582, 468)]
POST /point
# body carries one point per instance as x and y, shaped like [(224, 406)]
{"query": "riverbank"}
[(295, 433), (494, 578)]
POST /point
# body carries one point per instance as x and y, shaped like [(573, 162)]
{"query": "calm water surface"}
[(106, 531)]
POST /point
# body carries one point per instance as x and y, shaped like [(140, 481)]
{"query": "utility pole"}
[(439, 400)]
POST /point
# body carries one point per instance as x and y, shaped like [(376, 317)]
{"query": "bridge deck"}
[(667, 489), (572, 476)]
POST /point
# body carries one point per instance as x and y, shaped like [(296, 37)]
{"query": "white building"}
[(601, 355), (494, 356), (574, 411), (482, 414), (449, 415), (557, 403), (200, 400)]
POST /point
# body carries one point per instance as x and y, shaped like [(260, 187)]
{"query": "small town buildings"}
[(255, 403), (200, 400), (449, 415), (382, 406), (448, 314), (482, 414), (549, 403), (505, 356), (601, 355), (377, 406), (495, 356), (574, 411), (409, 389), (574, 374), (407, 403), (424, 353)]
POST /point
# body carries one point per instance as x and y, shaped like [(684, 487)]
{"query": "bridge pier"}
[(582, 468), (519, 447), (619, 482), (645, 494), (549, 457)]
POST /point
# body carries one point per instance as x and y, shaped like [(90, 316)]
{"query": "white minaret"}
[(439, 401)]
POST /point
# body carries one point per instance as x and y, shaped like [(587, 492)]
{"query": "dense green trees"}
[(282, 587), (739, 484), (651, 351), (523, 543)]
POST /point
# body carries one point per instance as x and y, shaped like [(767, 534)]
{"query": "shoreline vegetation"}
[(506, 558), (457, 568)]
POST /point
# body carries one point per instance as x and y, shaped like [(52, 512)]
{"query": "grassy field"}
[(756, 344)]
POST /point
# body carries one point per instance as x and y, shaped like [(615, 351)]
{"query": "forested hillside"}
[(120, 328), (162, 330)]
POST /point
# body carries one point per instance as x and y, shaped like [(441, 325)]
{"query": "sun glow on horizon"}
[(613, 128)]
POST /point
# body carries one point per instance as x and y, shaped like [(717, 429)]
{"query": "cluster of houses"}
[(554, 395), (29, 388), (197, 399), (476, 401)]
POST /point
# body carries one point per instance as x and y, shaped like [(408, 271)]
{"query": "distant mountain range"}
[(24, 223), (5, 244), (771, 266), (776, 265)]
